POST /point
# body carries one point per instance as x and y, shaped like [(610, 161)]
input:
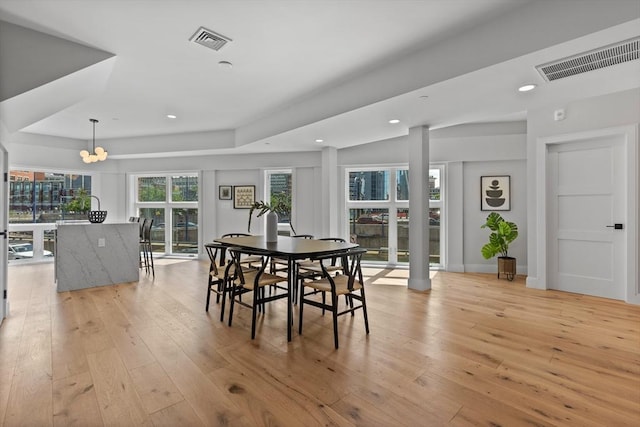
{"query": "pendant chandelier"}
[(98, 154)]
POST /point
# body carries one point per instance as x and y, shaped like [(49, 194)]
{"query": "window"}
[(39, 196), (378, 212), (279, 186), (172, 202)]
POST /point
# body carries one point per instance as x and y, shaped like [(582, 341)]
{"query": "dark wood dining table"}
[(291, 249)]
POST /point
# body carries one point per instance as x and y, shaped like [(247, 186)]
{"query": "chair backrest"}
[(217, 255), (235, 235), (146, 230), (236, 258), (142, 223), (351, 266)]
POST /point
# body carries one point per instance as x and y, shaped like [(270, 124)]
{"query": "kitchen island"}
[(89, 255)]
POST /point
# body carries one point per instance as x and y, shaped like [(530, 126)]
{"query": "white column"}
[(330, 192), (419, 208)]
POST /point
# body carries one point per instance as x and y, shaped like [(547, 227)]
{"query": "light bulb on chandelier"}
[(99, 154)]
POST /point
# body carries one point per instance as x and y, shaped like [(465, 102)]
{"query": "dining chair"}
[(349, 283), (146, 258), (255, 281), (310, 269), (221, 271)]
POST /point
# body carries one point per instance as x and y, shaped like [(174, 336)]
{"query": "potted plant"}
[(78, 206), (502, 234), (280, 205)]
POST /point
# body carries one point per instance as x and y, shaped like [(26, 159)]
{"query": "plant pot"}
[(507, 266)]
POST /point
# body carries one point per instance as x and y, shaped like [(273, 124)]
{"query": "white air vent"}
[(606, 56), (209, 39)]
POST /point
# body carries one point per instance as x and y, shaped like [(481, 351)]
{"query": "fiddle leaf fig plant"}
[(280, 204), (502, 234)]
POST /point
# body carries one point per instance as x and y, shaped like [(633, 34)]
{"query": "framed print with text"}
[(244, 196), (495, 193)]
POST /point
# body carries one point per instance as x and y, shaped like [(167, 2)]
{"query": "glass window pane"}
[(403, 235), (370, 229), (185, 231), (280, 189), (152, 189), (434, 184), (39, 196), (434, 236), (157, 229), (402, 184), (184, 188), (369, 185)]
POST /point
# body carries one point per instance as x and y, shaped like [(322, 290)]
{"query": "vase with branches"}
[(280, 204)]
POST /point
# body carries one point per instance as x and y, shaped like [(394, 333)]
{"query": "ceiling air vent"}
[(603, 57), (209, 39)]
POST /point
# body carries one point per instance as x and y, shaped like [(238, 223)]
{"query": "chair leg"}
[(225, 283), (364, 311), (334, 309), (206, 308), (233, 298), (255, 307), (153, 270), (301, 307)]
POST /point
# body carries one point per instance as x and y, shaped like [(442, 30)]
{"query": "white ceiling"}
[(335, 70)]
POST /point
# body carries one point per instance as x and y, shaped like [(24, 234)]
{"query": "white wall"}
[(613, 110), (473, 217)]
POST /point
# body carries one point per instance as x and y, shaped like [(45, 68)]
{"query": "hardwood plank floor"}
[(472, 351)]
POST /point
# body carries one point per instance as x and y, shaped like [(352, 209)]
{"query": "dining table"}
[(292, 249)]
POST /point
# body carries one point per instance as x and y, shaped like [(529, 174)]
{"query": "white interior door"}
[(587, 197)]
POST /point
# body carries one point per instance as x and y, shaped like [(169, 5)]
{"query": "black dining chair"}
[(254, 281), (350, 283), (221, 271), (146, 251)]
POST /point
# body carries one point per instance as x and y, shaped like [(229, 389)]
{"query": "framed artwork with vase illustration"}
[(495, 193)]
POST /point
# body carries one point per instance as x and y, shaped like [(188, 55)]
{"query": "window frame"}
[(169, 205)]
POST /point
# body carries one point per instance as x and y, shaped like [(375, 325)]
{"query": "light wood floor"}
[(472, 351)]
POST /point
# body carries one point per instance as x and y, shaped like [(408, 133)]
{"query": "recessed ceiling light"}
[(424, 96), (319, 140), (172, 116), (225, 64), (394, 121), (527, 87)]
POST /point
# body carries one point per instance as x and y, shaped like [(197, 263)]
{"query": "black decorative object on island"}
[(98, 216)]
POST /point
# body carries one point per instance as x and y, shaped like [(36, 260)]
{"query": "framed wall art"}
[(225, 192), (244, 196), (495, 193)]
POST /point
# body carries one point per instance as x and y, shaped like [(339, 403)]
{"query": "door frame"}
[(4, 219), (629, 135)]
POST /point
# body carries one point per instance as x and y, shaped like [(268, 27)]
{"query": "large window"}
[(378, 212), (172, 202), (39, 196)]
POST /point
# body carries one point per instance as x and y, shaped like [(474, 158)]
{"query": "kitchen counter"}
[(89, 255)]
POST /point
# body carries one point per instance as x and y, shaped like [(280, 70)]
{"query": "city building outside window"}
[(378, 213)]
